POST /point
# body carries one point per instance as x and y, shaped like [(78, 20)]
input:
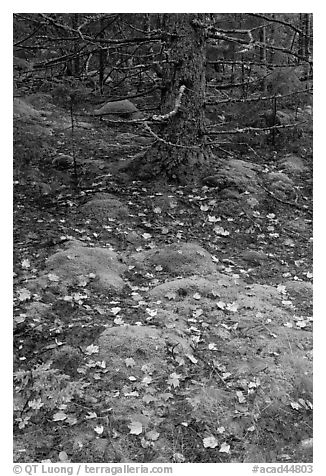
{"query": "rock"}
[(171, 320), (103, 209), (299, 225), (293, 164), (24, 110), (281, 183), (67, 359), (254, 258), (178, 259), (21, 64), (125, 109), (300, 288), (84, 125), (38, 310), (133, 238), (278, 119), (235, 174), (186, 286), (307, 443), (280, 177), (230, 194), (98, 447), (79, 260), (146, 345), (63, 161)]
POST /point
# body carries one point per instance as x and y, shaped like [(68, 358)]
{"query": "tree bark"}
[(181, 148)]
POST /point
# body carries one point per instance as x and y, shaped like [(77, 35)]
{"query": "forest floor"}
[(155, 322)]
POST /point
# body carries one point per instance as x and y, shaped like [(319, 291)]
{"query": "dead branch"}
[(254, 129), (165, 117), (256, 99), (281, 22)]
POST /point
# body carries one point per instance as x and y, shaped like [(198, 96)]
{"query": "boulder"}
[(63, 161), (183, 259), (77, 260), (236, 174), (105, 209), (293, 164), (124, 109), (253, 257)]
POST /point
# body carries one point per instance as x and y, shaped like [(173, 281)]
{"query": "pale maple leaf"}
[(135, 427), (225, 448), (59, 416), (210, 442)]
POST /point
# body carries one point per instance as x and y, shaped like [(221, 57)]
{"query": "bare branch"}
[(170, 144), (242, 130), (28, 37), (256, 99), (281, 22), (172, 113)]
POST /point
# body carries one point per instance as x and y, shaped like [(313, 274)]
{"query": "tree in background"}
[(206, 82)]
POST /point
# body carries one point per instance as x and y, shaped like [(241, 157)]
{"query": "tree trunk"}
[(75, 61), (263, 55), (181, 145)]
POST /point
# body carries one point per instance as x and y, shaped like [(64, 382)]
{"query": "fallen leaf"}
[(118, 321), (241, 397), (130, 362), (59, 416), (35, 404), (131, 394), (91, 415), (174, 380), (71, 420), (115, 310), (152, 435), (24, 294), (92, 349), (147, 380), (210, 442), (281, 289), (135, 427), (225, 448), (232, 307), (20, 319), (146, 236), (63, 457), (212, 346), (151, 312), (179, 458), (99, 429), (197, 296), (192, 358), (219, 230), (171, 295)]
